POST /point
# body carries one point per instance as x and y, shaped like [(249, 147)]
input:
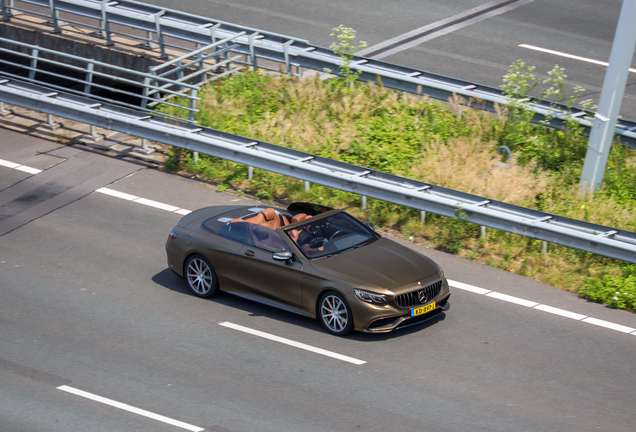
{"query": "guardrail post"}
[(482, 232), (363, 202), (54, 16), (422, 216), (6, 15), (250, 173), (307, 186), (144, 98), (34, 63), (193, 104), (252, 52), (145, 148), (89, 78), (544, 247), (106, 24), (50, 122), (162, 47), (93, 135), (195, 156), (286, 52)]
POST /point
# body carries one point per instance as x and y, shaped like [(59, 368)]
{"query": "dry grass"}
[(475, 167)]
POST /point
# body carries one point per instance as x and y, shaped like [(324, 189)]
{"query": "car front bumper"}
[(389, 324)]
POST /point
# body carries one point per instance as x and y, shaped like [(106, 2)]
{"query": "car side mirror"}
[(370, 225), (282, 256)]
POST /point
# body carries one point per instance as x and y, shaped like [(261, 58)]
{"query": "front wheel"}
[(335, 314), (201, 277)]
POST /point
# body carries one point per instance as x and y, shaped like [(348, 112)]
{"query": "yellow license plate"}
[(422, 310)]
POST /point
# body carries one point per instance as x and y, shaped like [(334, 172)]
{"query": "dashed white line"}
[(292, 343), (156, 204), (8, 164), (542, 307), (130, 408), (467, 287), (144, 201), (19, 167), (512, 299), (117, 194), (561, 312), (609, 325), (570, 56)]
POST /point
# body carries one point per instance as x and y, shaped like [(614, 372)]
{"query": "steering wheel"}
[(317, 242), (335, 234)]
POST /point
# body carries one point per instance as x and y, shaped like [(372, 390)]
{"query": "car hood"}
[(382, 264)]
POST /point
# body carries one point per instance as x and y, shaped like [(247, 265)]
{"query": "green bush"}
[(614, 291)]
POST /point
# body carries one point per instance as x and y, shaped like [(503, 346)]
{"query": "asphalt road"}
[(86, 302), (479, 53)]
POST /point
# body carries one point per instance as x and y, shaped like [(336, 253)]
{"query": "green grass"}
[(419, 138)]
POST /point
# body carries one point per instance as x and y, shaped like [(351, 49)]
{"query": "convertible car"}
[(309, 259)]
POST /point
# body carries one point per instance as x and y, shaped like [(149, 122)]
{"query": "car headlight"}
[(370, 297), (441, 272)]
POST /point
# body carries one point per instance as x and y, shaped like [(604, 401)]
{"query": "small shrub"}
[(614, 291)]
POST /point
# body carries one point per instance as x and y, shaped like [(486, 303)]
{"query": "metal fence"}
[(585, 236), (167, 28), (112, 83)]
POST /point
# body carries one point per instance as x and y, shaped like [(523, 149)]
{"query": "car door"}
[(264, 276)]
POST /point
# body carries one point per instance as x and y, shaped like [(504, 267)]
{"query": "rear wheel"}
[(201, 277), (335, 314)]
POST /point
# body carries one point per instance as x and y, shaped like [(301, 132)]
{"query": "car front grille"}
[(413, 298)]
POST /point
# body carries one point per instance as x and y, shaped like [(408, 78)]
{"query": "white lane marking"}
[(609, 325), (144, 201), (8, 164), (570, 56), (292, 343), (156, 204), (117, 194), (131, 409), (19, 167), (561, 312), (467, 287), (542, 307), (29, 169), (512, 299)]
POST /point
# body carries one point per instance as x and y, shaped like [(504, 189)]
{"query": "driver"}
[(311, 239)]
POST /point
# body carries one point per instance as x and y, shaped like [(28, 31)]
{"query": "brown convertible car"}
[(308, 259)]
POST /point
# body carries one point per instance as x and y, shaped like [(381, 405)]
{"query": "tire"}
[(200, 276), (335, 314)]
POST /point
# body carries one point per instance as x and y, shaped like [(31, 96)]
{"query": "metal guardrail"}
[(158, 86), (572, 233), (167, 27)]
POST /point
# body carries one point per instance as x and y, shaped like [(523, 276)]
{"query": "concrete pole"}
[(604, 125)]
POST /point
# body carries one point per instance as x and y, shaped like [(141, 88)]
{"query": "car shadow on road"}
[(171, 281)]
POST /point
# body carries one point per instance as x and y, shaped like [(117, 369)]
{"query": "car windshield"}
[(330, 236)]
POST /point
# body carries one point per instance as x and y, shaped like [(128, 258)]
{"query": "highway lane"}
[(480, 53), (86, 301)]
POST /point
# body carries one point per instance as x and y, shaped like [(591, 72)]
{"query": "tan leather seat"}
[(294, 233), (299, 217), (259, 219), (272, 220)]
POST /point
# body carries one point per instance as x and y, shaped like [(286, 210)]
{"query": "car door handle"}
[(249, 253)]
